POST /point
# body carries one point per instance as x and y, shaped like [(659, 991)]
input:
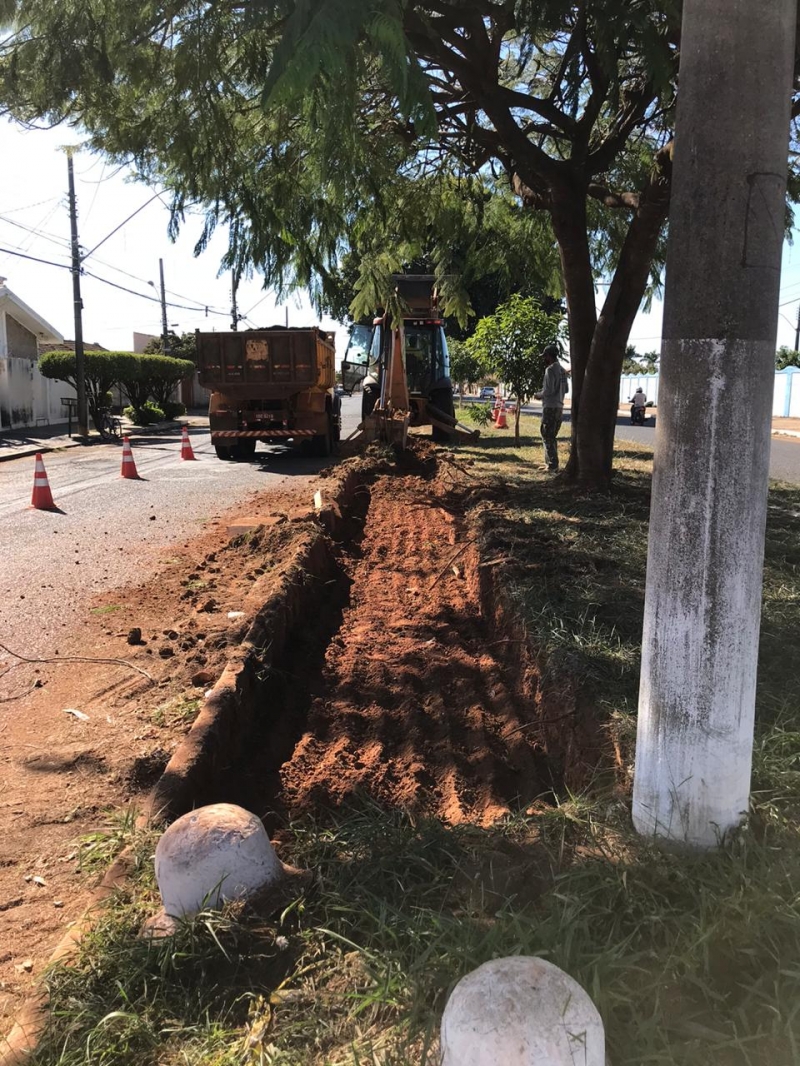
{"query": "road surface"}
[(111, 532)]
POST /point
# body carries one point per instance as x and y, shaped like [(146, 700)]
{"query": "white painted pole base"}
[(213, 854), (521, 1011)]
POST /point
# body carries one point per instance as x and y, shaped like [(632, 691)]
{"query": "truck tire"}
[(224, 451), (369, 397), (245, 449), (443, 400), (322, 443)]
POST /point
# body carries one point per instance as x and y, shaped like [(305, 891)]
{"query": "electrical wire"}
[(35, 259), (62, 241), (28, 207), (152, 299), (119, 227)]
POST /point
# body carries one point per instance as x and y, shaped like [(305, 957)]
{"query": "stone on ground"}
[(212, 855), (521, 1011)]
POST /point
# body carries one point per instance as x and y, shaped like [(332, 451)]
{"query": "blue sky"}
[(33, 185)]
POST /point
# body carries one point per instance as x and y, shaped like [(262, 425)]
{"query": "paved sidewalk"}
[(18, 443)]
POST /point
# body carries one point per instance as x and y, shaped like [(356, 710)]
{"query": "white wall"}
[(629, 383), (786, 395), (26, 398)]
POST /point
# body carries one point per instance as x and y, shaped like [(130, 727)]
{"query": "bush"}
[(480, 413), (145, 415), (172, 409)]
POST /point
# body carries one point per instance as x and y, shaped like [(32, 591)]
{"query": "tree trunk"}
[(568, 212), (517, 409), (598, 416)]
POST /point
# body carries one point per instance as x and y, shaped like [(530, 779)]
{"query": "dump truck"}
[(274, 385), (404, 367)]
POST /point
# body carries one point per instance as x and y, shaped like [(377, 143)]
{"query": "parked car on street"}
[(487, 393)]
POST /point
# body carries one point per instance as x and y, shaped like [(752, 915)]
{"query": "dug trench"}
[(395, 672)]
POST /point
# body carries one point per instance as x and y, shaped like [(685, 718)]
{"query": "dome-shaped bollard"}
[(521, 1011), (216, 853)]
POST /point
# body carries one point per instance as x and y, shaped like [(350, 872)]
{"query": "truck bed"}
[(269, 358)]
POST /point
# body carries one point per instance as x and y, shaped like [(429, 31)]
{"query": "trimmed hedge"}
[(143, 377)]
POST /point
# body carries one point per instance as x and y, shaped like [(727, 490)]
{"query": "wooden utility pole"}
[(77, 304), (706, 548)]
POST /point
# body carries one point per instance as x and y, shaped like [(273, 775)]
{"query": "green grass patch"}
[(179, 711), (691, 961), (109, 608)]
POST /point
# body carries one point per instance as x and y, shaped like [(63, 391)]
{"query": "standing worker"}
[(554, 389)]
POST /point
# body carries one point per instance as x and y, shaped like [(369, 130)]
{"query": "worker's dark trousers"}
[(551, 424)]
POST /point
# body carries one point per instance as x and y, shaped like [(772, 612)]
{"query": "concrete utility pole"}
[(77, 303), (164, 327), (706, 547), (797, 331)]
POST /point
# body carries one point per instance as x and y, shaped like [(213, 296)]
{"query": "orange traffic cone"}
[(42, 498), (186, 444), (498, 403), (128, 465), (501, 418)]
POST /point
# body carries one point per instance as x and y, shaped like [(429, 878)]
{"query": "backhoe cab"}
[(404, 369)]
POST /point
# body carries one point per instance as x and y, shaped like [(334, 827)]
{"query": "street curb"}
[(216, 732), (35, 449)]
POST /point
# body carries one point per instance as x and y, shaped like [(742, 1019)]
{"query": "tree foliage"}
[(510, 344), (636, 363), (466, 368), (786, 356), (179, 347), (298, 125)]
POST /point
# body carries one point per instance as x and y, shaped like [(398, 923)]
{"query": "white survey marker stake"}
[(318, 500)]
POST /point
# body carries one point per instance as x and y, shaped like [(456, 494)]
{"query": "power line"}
[(119, 227), (36, 232), (34, 258), (153, 299), (27, 207)]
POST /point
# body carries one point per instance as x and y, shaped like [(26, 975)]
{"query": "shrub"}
[(172, 409), (145, 415), (480, 413)]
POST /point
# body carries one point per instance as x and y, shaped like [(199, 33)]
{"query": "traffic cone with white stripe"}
[(128, 464), (42, 498), (186, 444)]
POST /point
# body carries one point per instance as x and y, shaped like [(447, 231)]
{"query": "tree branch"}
[(613, 199)]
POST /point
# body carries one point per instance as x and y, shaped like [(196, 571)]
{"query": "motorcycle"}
[(639, 414)]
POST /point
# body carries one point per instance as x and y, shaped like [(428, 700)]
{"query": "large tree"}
[(288, 118)]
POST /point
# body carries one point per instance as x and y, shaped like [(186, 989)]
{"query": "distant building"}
[(26, 398), (141, 340)]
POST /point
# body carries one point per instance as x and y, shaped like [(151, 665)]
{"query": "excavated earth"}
[(397, 689)]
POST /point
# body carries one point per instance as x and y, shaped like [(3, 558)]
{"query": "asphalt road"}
[(111, 532)]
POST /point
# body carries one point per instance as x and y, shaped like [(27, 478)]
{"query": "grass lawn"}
[(690, 961)]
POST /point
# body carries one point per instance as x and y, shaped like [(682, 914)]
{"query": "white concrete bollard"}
[(521, 1011), (216, 853)]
